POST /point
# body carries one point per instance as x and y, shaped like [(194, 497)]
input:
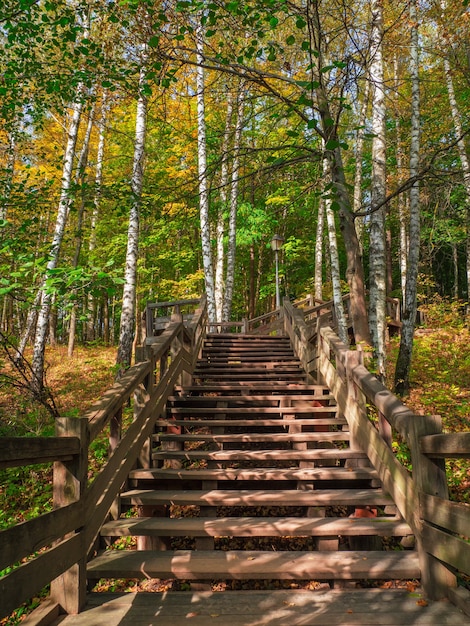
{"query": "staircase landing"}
[(367, 607)]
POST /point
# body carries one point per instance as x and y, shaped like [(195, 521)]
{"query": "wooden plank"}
[(447, 548), (263, 455), (365, 607), (453, 516), (340, 435), (27, 580), (257, 410), (28, 537), (273, 397), (44, 615), (446, 445), (242, 565), (286, 497), (103, 410), (231, 422), (256, 527), (306, 474), (16, 451), (461, 598)]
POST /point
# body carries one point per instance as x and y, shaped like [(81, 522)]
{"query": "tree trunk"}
[(402, 371), (377, 261), (127, 326), (63, 210), (464, 160), (357, 199), (334, 260), (91, 302), (232, 223), (79, 180), (202, 174), (220, 230), (329, 133), (318, 276)]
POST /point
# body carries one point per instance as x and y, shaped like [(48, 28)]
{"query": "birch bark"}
[(402, 370), (357, 198), (334, 264), (232, 224), (42, 325), (220, 230), (80, 179), (202, 174), (91, 304), (127, 325), (464, 160), (377, 255)]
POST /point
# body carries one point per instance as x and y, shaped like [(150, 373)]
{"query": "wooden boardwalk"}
[(365, 607)]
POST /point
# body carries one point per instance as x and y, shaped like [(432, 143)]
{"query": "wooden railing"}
[(54, 547), (376, 417)]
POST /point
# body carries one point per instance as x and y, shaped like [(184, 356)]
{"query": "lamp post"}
[(276, 245)]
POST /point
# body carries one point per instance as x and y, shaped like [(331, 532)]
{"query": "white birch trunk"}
[(127, 326), (62, 213), (220, 230), (202, 175), (402, 371), (357, 198), (402, 200), (377, 255), (464, 160), (334, 263), (232, 222), (79, 179), (318, 274), (96, 207)]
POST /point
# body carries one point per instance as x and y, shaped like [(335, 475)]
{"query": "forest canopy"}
[(149, 151)]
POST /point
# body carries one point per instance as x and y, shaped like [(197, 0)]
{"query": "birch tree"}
[(220, 229), (334, 263), (45, 299), (232, 224), (79, 181), (202, 177), (402, 371), (377, 255), (127, 325), (463, 155)]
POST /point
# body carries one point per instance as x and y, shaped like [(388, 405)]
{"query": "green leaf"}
[(290, 40), (331, 144)]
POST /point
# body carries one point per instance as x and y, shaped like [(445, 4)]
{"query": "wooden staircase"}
[(254, 479)]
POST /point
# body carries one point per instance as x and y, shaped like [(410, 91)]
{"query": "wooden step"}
[(265, 375), (242, 387), (241, 474), (273, 410), (256, 527), (313, 454), (246, 565), (295, 607), (276, 399), (245, 497), (340, 435), (261, 423)]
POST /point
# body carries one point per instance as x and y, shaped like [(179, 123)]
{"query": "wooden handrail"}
[(67, 534), (422, 496)]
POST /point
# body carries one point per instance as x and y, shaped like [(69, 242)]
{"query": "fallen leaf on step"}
[(421, 603)]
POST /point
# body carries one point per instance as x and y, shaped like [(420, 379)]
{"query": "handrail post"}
[(69, 481), (430, 478)]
